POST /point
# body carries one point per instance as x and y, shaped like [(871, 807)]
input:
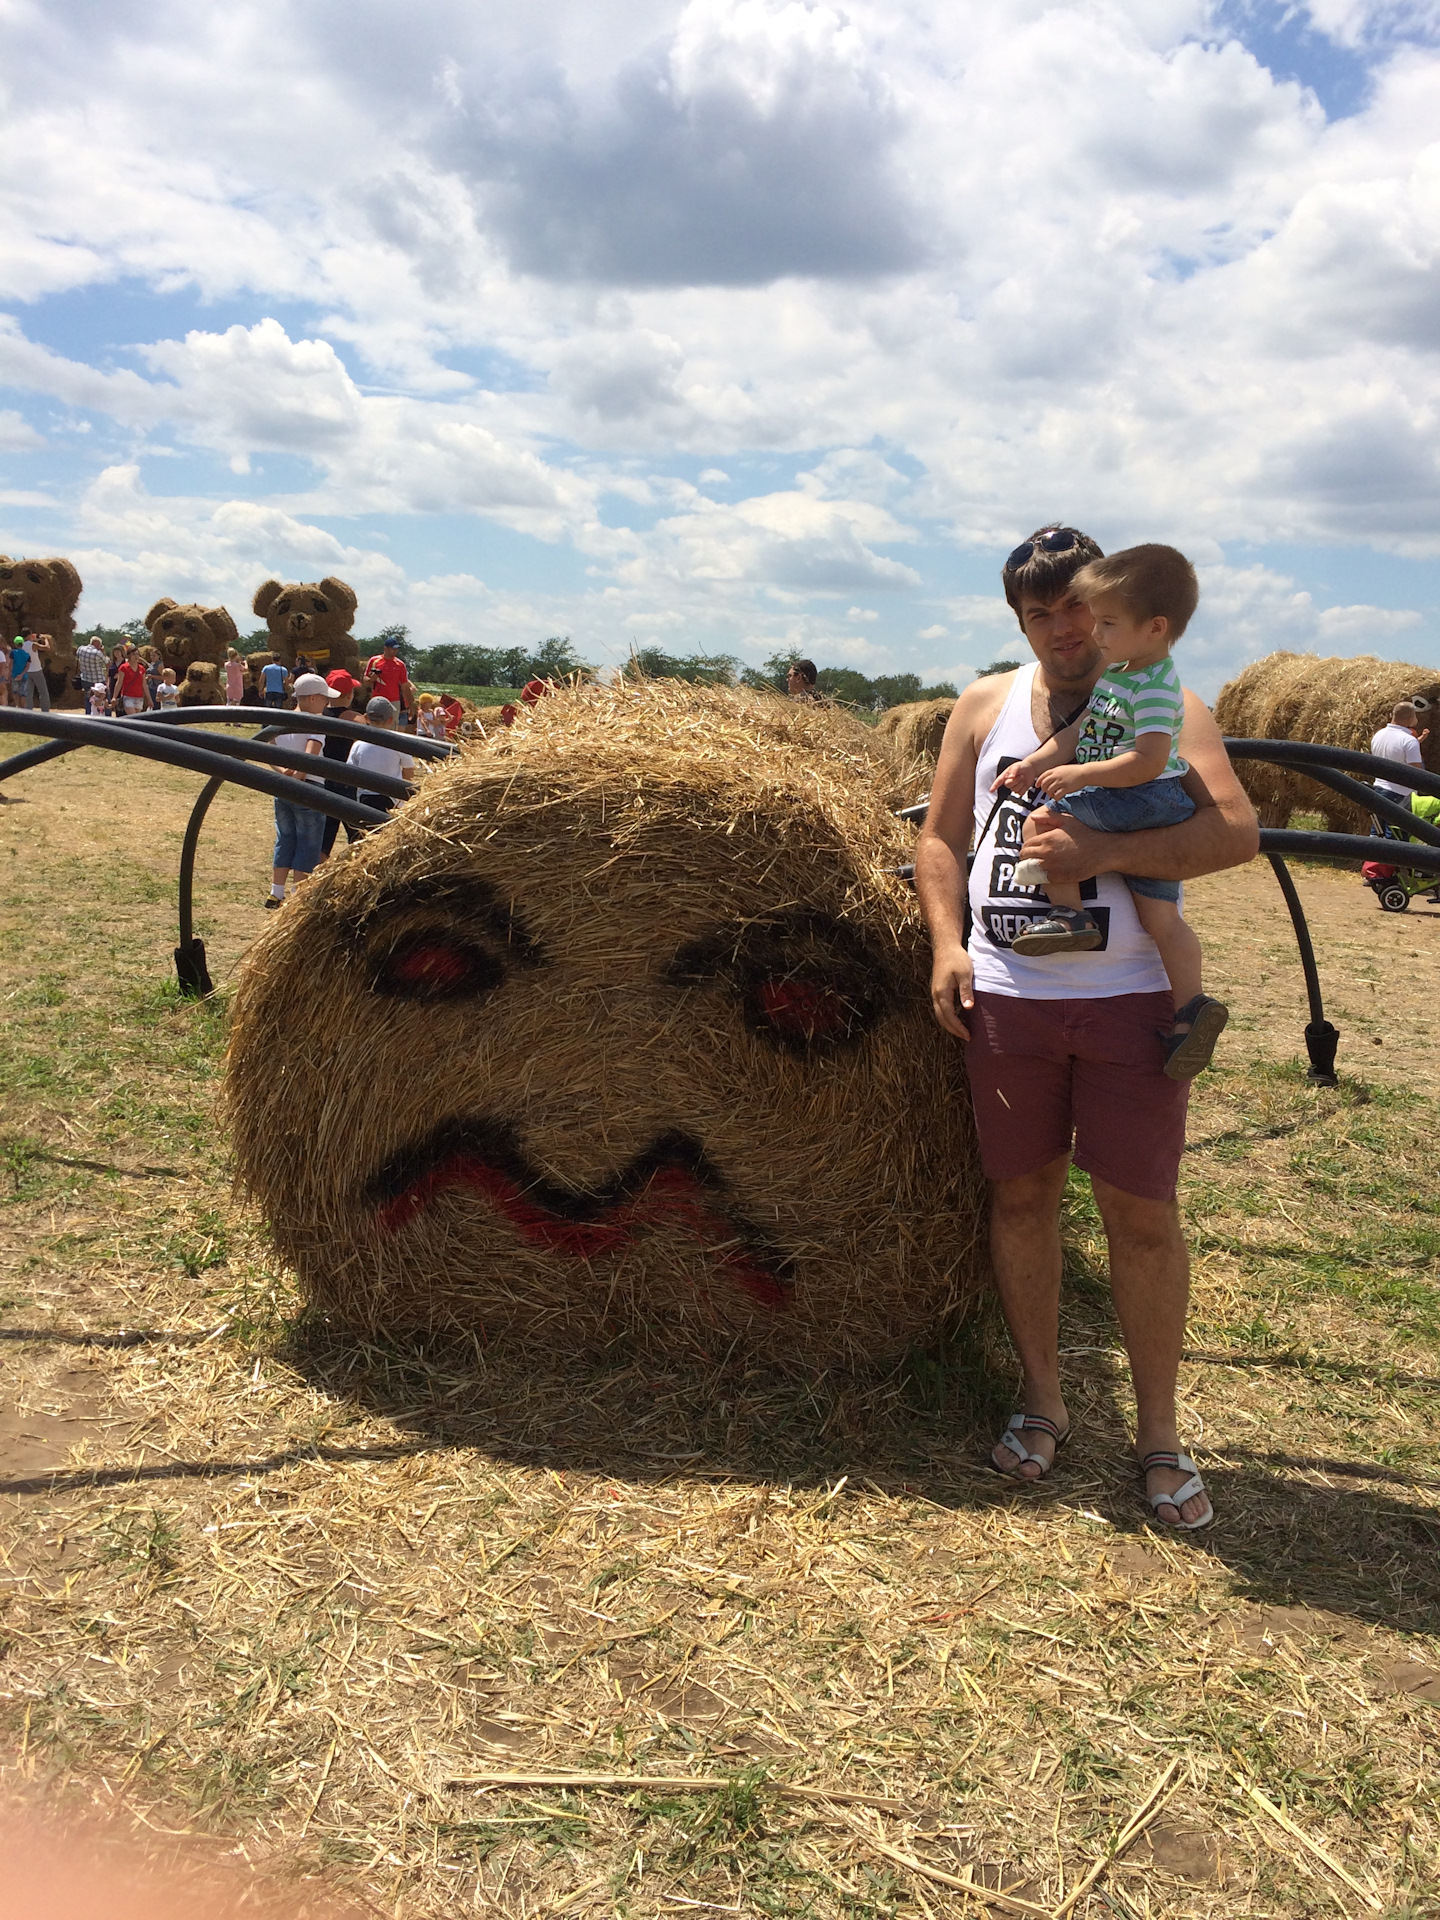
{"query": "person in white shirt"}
[(1401, 742), (167, 693), (371, 756)]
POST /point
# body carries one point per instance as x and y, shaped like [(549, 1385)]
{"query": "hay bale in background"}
[(311, 618), (914, 731), (40, 596), (631, 1033), (188, 633), (1330, 702), (201, 685)]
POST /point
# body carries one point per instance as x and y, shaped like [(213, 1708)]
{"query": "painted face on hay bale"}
[(190, 633), (630, 1033)]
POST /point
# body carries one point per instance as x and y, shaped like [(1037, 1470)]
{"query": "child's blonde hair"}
[(1149, 582)]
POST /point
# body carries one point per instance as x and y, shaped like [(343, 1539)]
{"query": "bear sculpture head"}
[(620, 1027), (201, 685), (183, 634), (313, 619), (40, 596)]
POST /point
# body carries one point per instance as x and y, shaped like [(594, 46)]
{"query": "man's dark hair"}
[(1046, 576), (1148, 581), (806, 670)]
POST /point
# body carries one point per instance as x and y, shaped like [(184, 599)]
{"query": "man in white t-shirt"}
[(1063, 1052), (1400, 741)]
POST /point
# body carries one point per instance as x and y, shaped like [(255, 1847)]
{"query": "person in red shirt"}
[(130, 682), (454, 713), (387, 675)]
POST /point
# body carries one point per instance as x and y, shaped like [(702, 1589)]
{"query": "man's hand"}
[(1063, 780), (952, 989), (1068, 850)]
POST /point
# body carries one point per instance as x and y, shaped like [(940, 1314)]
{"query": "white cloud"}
[(951, 270), (1246, 612)]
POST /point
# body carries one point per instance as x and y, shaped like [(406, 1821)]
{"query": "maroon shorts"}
[(1046, 1073)]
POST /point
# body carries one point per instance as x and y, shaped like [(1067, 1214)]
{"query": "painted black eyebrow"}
[(468, 904), (738, 948)]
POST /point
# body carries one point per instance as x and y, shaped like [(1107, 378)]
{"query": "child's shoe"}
[(1063, 930), (1188, 1053)]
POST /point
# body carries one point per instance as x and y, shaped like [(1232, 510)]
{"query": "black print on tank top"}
[(1008, 831), (1003, 923)]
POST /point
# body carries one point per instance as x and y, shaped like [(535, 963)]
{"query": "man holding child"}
[(1067, 1044)]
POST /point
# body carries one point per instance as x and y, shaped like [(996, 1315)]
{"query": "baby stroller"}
[(1396, 886)]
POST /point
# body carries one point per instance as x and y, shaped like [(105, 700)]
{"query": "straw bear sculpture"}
[(190, 633), (310, 618), (1333, 703), (40, 596), (620, 1025)]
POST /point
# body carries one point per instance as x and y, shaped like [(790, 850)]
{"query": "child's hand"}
[(1015, 777), (1060, 781)]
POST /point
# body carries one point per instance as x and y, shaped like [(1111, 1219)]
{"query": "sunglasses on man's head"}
[(1057, 540)]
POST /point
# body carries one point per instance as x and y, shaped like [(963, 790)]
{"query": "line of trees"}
[(839, 683)]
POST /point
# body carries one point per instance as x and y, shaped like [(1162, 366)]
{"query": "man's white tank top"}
[(1126, 962)]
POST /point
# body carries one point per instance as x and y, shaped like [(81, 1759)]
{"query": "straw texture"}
[(189, 633), (1336, 703), (619, 1029), (40, 596), (915, 730), (313, 618), (201, 685)]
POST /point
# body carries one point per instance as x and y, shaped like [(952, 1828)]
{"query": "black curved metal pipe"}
[(1350, 846), (290, 721), (1304, 753), (148, 743), (1321, 1039), (1374, 802), (263, 750)]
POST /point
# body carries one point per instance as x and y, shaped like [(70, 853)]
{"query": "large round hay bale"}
[(189, 633), (621, 1025), (1335, 703), (914, 731)]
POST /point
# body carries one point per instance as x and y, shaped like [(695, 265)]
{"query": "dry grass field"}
[(297, 1603)]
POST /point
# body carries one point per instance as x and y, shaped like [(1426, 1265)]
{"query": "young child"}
[(234, 678), (1117, 770), (167, 693), (97, 700)]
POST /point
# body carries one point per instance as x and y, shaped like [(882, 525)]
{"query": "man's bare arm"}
[(940, 853), (1222, 831)]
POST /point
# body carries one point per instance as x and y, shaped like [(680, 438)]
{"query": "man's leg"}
[(1025, 1249), (1150, 1281)]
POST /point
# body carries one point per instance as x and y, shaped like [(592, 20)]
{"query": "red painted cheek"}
[(803, 1009)]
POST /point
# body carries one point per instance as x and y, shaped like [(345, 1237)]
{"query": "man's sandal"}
[(1027, 1423), (1187, 1490)]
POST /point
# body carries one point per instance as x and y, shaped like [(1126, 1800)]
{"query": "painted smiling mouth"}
[(672, 1182)]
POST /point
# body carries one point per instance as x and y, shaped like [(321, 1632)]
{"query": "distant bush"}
[(460, 664)]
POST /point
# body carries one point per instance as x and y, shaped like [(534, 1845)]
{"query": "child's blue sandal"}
[(1189, 1052)]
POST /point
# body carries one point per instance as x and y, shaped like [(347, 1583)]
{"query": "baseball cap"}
[(309, 684), (341, 683), (380, 709)]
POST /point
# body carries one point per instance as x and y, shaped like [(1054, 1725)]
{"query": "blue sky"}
[(734, 324)]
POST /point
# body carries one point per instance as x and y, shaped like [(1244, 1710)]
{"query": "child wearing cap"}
[(298, 828)]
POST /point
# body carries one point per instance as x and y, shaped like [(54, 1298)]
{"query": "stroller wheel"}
[(1393, 898)]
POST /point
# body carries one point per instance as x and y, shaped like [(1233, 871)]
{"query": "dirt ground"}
[(298, 1602)]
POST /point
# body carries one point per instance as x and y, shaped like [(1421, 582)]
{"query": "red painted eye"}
[(427, 968), (800, 1010)]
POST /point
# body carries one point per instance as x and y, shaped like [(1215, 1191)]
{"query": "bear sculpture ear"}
[(222, 626), (266, 596), (160, 606), (64, 575), (343, 596)]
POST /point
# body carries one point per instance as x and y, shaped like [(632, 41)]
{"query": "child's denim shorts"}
[(1156, 803)]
